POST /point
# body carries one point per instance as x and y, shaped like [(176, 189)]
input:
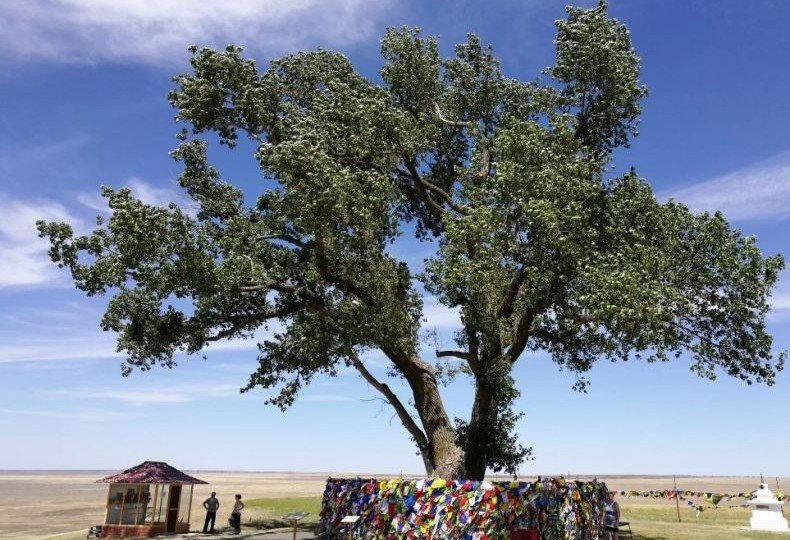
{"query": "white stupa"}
[(767, 511)]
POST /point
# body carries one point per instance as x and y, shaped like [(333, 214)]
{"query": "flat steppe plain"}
[(63, 504)]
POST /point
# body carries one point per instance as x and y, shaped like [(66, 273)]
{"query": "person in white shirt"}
[(235, 517)]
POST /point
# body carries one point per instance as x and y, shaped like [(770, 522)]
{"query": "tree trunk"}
[(475, 459), (479, 434), (444, 457)]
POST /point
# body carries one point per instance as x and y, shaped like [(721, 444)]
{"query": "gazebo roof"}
[(151, 472)]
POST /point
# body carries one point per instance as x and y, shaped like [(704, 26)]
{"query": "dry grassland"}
[(62, 505)]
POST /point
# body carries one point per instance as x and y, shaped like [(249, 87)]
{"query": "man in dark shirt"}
[(211, 505)]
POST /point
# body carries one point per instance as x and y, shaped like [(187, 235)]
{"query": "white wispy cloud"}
[(244, 365), (40, 153), (439, 316), (80, 416), (144, 191), (326, 398), (88, 347), (170, 394), (23, 256), (48, 157), (153, 195), (69, 311), (90, 31), (781, 301), (92, 346), (761, 191)]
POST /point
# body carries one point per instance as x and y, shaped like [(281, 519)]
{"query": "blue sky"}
[(83, 86)]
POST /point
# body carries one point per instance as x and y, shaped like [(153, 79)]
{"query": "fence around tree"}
[(398, 509)]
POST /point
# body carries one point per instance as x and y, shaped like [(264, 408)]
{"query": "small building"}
[(149, 499), (767, 511)]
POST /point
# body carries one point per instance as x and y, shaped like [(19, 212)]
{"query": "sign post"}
[(350, 520), (294, 518)]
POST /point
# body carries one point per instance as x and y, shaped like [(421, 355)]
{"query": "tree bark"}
[(475, 459), (408, 422), (444, 454)]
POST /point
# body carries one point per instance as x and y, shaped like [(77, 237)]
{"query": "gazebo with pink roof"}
[(147, 500)]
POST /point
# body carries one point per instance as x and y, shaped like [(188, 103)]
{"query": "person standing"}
[(238, 506), (612, 517), (211, 505)]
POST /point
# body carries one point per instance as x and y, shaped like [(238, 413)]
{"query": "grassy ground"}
[(267, 513), (648, 521), (660, 522)]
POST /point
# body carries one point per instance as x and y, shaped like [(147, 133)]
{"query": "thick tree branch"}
[(445, 197), (405, 418), (473, 345), (524, 324), (463, 355), (249, 323), (694, 334), (454, 123), (505, 308), (250, 133), (445, 454), (520, 335), (436, 209), (420, 193), (228, 332), (287, 238), (344, 285), (546, 335), (485, 163), (278, 286)]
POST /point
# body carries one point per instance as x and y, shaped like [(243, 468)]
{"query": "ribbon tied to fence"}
[(435, 508)]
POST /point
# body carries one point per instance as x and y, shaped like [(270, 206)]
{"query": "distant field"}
[(659, 522), (62, 505)]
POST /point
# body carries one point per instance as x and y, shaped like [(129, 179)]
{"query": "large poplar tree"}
[(538, 246)]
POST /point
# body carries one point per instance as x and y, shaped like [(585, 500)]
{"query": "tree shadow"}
[(276, 523)]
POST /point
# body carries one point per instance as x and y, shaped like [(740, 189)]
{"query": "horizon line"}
[(333, 474)]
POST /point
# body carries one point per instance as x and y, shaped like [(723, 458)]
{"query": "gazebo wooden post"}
[(137, 506), (189, 510), (123, 505), (107, 508), (153, 506), (140, 505), (163, 502)]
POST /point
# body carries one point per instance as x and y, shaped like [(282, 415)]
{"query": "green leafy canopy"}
[(537, 245)]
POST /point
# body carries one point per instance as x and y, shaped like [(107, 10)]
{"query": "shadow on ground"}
[(275, 523)]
